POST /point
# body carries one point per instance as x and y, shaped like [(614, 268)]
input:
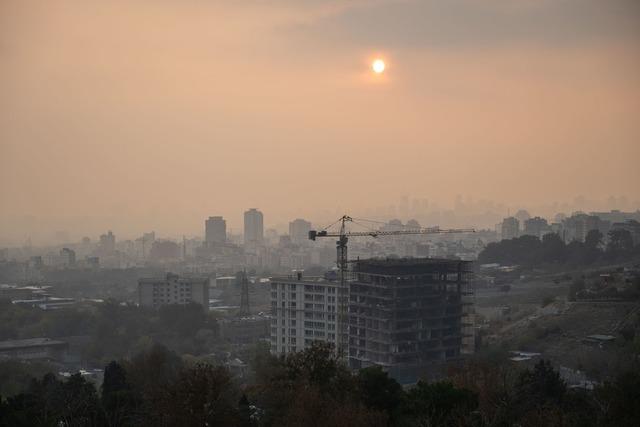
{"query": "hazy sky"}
[(153, 114)]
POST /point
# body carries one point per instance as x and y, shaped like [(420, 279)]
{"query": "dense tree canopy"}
[(531, 251), (114, 330), (313, 388)]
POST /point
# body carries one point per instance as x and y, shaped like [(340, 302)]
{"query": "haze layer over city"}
[(153, 115), (279, 213)]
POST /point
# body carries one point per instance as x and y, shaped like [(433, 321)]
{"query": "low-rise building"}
[(34, 348), (245, 330), (15, 292), (173, 289)]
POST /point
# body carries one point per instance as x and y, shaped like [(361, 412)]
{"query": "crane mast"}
[(342, 261)]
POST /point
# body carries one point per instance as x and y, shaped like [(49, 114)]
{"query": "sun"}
[(378, 66)]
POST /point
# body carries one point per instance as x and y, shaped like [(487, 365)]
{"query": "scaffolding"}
[(407, 313)]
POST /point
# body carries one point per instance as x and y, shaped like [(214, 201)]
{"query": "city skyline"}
[(463, 210), (191, 109)]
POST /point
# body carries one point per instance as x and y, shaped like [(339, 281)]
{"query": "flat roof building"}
[(299, 231), (215, 230), (406, 315), (253, 227), (34, 348), (173, 289), (303, 310), (510, 228)]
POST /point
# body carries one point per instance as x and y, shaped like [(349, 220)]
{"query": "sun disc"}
[(378, 66)]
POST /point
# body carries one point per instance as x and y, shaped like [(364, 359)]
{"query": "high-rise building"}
[(510, 228), (215, 231), (630, 225), (173, 289), (522, 215), (253, 227), (408, 315), (577, 226), (536, 226), (299, 231), (143, 244), (68, 257), (107, 243), (304, 310), (618, 216)]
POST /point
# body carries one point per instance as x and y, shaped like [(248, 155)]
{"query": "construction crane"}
[(341, 245)]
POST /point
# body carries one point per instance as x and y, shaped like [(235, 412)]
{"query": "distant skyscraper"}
[(215, 230), (578, 225), (510, 228), (107, 243), (147, 241), (299, 231), (68, 257), (536, 226), (522, 215), (253, 227)]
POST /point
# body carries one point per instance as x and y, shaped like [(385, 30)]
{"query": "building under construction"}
[(407, 315)]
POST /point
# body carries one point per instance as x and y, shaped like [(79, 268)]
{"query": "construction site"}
[(411, 316), (408, 315)]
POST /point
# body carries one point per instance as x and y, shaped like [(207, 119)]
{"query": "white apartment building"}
[(304, 310), (173, 289)]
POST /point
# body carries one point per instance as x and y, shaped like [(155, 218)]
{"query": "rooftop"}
[(31, 342), (170, 277), (303, 279), (400, 266)]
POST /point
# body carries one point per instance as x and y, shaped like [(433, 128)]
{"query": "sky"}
[(155, 114)]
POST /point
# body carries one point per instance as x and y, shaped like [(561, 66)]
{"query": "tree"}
[(202, 395), (50, 402), (540, 390), (620, 242), (16, 375), (149, 373), (319, 366), (553, 248), (575, 288), (592, 244), (309, 388), (619, 400), (183, 320), (379, 391), (79, 402), (593, 239), (118, 398), (440, 404)]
